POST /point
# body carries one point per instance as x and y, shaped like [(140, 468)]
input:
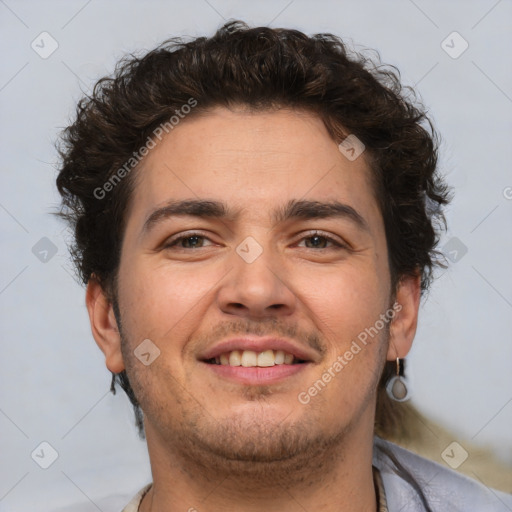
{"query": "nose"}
[(256, 289)]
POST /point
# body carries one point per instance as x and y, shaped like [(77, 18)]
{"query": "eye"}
[(189, 241), (196, 240), (318, 240)]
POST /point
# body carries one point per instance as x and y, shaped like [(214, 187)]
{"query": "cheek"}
[(344, 300), (163, 302), (345, 306)]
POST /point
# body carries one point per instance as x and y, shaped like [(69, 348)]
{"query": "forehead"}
[(251, 161)]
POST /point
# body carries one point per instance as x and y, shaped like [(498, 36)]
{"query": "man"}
[(254, 218)]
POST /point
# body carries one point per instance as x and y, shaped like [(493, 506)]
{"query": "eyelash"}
[(336, 243)]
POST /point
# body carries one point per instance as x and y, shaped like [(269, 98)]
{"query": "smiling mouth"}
[(252, 359)]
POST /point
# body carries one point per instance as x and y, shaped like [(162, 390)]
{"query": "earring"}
[(396, 387)]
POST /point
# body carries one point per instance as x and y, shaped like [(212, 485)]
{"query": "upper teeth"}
[(250, 358)]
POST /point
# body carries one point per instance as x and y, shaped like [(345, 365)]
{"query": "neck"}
[(337, 479)]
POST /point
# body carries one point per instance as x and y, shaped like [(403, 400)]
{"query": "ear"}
[(104, 326), (404, 323)]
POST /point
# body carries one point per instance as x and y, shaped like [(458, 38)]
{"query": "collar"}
[(380, 492)]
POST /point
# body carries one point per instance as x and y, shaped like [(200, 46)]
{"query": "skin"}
[(215, 444)]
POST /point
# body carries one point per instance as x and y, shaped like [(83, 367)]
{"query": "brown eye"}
[(317, 241), (190, 241), (321, 241)]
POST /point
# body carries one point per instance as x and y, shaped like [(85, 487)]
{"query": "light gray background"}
[(54, 385)]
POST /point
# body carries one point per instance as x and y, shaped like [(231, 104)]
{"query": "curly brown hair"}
[(261, 68)]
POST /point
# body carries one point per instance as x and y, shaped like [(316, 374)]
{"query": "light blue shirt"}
[(445, 490)]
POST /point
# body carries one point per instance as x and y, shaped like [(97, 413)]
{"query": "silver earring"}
[(396, 387)]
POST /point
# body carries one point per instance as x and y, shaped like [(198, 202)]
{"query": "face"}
[(279, 274)]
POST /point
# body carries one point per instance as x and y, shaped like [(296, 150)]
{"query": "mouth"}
[(253, 359), (257, 362)]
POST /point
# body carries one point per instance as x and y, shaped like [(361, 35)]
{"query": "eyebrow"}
[(294, 209)]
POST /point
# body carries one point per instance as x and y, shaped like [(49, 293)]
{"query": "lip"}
[(258, 345), (256, 375)]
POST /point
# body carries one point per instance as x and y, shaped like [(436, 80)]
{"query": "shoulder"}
[(444, 488), (133, 506)]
